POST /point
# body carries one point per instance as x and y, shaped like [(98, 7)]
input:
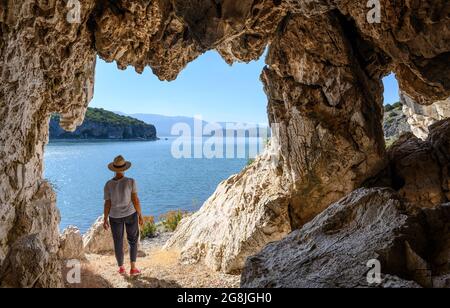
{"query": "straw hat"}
[(119, 164)]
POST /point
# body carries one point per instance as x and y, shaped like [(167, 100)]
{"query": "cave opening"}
[(394, 121), (212, 108), (48, 51)]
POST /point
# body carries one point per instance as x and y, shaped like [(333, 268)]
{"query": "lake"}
[(78, 171)]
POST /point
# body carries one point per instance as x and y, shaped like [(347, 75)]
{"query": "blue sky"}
[(207, 87)]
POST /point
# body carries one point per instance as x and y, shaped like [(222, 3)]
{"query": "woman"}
[(123, 211)]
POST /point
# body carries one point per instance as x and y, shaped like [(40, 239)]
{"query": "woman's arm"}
[(137, 206), (106, 211)]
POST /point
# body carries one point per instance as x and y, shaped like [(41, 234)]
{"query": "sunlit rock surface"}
[(245, 213), (420, 118), (71, 244), (98, 240)]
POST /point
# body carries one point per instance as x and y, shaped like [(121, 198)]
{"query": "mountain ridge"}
[(164, 124)]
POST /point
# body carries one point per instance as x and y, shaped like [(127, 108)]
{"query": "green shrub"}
[(103, 116), (388, 108), (149, 227), (171, 219), (397, 105)]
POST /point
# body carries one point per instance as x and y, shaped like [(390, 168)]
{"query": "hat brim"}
[(122, 169)]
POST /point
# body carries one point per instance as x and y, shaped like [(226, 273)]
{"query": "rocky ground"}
[(160, 269)]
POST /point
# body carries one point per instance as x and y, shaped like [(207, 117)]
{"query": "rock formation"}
[(406, 228), (33, 259), (326, 59), (335, 248), (246, 212), (46, 66), (71, 244), (420, 118), (420, 170), (395, 124), (98, 240)]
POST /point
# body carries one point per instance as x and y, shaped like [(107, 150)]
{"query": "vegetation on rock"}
[(171, 219), (394, 123), (103, 124), (148, 230)]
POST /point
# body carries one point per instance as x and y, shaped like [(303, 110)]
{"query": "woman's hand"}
[(106, 224), (141, 220)]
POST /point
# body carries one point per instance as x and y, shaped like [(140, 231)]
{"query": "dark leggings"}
[(131, 224)]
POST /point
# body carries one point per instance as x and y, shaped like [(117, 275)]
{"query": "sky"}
[(207, 87)]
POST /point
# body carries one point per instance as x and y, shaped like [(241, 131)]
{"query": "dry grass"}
[(171, 219)]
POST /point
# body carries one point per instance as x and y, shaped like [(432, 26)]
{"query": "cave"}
[(327, 171)]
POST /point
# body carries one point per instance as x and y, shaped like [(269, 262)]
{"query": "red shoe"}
[(135, 272), (122, 270)]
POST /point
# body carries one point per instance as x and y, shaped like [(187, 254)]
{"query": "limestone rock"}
[(395, 124), (17, 272), (420, 170), (246, 212), (333, 250), (46, 66), (36, 245), (168, 35), (420, 118), (71, 246), (98, 240), (329, 129)]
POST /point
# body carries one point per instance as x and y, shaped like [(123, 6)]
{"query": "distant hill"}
[(164, 124), (103, 124)]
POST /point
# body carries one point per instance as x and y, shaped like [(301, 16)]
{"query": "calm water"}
[(78, 172)]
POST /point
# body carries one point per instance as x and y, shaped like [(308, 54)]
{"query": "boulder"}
[(420, 170), (71, 244), (246, 212), (334, 249), (98, 240), (33, 260), (16, 270)]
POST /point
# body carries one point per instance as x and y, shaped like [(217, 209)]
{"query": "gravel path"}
[(160, 269)]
